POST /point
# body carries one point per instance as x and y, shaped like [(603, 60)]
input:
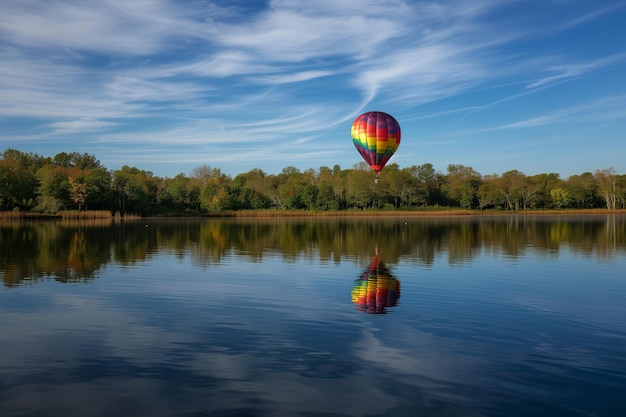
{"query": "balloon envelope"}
[(376, 135)]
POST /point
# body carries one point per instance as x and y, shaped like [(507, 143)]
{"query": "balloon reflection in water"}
[(376, 289)]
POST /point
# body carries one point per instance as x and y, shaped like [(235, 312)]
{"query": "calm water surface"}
[(502, 316)]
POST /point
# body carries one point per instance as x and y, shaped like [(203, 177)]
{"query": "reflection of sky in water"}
[(583, 290), (169, 337)]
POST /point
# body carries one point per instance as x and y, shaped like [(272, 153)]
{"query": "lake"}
[(402, 316)]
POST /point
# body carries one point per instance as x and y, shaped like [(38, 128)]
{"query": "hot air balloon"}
[(376, 135)]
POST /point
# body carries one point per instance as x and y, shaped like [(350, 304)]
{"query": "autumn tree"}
[(75, 180), (78, 189)]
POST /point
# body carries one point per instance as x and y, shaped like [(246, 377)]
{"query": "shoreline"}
[(426, 213), (313, 214)]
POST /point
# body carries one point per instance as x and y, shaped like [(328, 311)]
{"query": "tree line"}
[(75, 181)]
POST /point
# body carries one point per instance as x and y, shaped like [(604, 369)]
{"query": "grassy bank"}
[(65, 215), (20, 215), (105, 214), (412, 213)]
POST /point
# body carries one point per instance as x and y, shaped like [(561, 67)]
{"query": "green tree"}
[(182, 193), (326, 198), (490, 194), (621, 191), (462, 185), (339, 184), (289, 187), (216, 194), (360, 187), (401, 185), (430, 184), (76, 160), (512, 185), (536, 189), (560, 197), (327, 180), (136, 190), (18, 180), (53, 191), (250, 191), (98, 183), (309, 196), (582, 189)]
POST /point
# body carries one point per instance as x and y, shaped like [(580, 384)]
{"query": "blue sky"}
[(171, 85)]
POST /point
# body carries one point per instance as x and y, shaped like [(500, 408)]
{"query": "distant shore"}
[(418, 213), (101, 214)]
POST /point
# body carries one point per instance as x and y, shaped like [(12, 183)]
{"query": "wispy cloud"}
[(571, 71), (596, 111), (108, 26), (82, 125), (214, 77)]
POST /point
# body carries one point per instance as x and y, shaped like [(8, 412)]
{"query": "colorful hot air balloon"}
[(376, 135)]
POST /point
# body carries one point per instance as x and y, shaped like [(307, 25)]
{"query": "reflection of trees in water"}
[(65, 251), (75, 251), (376, 289)]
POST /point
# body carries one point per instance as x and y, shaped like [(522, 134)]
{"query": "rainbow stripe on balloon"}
[(376, 135)]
